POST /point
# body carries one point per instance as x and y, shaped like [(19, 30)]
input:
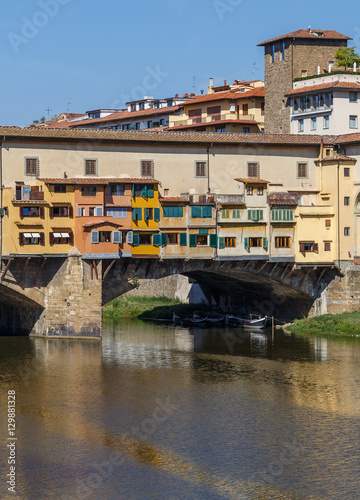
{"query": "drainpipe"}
[(208, 165)]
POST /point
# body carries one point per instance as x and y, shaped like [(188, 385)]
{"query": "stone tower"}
[(300, 53)]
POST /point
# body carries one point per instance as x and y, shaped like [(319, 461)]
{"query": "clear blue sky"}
[(86, 54)]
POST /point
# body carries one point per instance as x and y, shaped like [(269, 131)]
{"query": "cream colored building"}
[(296, 183)]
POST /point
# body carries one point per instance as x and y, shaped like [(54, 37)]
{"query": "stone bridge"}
[(63, 296)]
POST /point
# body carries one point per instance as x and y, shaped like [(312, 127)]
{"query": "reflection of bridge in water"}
[(63, 296)]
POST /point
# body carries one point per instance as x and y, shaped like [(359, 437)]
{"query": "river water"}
[(157, 412)]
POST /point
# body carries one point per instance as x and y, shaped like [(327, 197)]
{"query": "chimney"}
[(224, 83), (211, 86)]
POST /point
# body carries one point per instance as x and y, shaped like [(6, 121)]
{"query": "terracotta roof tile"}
[(337, 157), (124, 115), (218, 122), (138, 136), (346, 138), (173, 199), (230, 95), (325, 86), (99, 180), (283, 198), (312, 34), (251, 180)]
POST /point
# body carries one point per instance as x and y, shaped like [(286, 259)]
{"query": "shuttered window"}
[(282, 242), (172, 211), (225, 213), (156, 214), (236, 213), (201, 211), (94, 236), (147, 168), (130, 237), (156, 239), (213, 240), (200, 169), (192, 240), (255, 215), (282, 214), (117, 237), (136, 214), (32, 166), (90, 167), (253, 170), (302, 170), (183, 239)]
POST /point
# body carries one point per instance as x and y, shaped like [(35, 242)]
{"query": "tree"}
[(346, 56)]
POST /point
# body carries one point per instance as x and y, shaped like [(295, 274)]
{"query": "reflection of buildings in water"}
[(258, 343), (320, 349), (146, 345)]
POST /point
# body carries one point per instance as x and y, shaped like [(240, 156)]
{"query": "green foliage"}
[(131, 306), (345, 323), (337, 72), (346, 56)]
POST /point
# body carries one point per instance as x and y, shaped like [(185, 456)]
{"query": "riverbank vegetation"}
[(159, 308), (340, 324)]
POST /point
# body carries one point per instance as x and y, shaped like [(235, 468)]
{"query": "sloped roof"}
[(99, 180), (310, 34), (325, 86), (229, 95), (251, 180), (139, 136)]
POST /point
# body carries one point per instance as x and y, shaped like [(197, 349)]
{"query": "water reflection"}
[(238, 403)]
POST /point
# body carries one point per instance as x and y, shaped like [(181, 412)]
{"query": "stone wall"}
[(73, 301), (300, 56)]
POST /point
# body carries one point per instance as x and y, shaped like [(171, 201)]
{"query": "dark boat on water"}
[(228, 320)]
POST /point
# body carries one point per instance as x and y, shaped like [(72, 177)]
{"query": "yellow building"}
[(173, 227), (231, 108), (145, 217), (38, 219)]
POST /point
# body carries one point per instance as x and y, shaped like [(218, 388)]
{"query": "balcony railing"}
[(214, 118), (118, 200), (29, 196)]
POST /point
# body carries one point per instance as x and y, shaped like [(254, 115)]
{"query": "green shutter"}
[(145, 213), (203, 231), (213, 240), (260, 215), (157, 214), (166, 211), (150, 191), (179, 211), (134, 214), (163, 239), (183, 239), (195, 212), (139, 217), (246, 243), (264, 242), (236, 213), (157, 239), (133, 190), (250, 215), (136, 240), (221, 242), (192, 240), (144, 191), (207, 211)]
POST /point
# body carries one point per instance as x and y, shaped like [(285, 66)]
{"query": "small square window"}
[(32, 166), (200, 169), (313, 123), (90, 167), (249, 191), (147, 168), (327, 222), (253, 170), (347, 201), (260, 191), (301, 125), (346, 172), (353, 96), (302, 170), (327, 246), (326, 121), (346, 231), (353, 121)]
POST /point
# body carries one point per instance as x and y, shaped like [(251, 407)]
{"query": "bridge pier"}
[(72, 303)]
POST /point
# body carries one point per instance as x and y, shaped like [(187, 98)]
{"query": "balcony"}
[(230, 199), (29, 196), (215, 118), (117, 200)]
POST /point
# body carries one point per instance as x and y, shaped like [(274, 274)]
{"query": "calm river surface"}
[(157, 412)]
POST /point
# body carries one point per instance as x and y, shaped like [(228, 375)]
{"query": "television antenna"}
[(48, 112)]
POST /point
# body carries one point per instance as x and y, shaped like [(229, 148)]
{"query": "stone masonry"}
[(302, 58)]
